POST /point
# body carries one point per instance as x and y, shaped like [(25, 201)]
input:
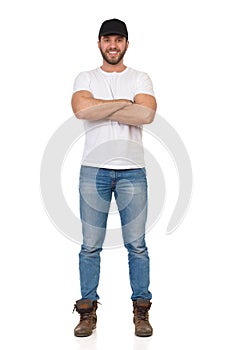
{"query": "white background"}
[(186, 47)]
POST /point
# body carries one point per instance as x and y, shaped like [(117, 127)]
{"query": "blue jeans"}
[(96, 186)]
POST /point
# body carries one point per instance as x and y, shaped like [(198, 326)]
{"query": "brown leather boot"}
[(141, 318), (87, 310)]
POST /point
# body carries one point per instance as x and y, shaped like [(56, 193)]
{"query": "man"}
[(114, 101)]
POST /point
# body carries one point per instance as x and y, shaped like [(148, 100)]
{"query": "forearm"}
[(134, 114), (101, 109), (85, 106)]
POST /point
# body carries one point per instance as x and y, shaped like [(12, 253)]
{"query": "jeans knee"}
[(136, 247), (86, 250)]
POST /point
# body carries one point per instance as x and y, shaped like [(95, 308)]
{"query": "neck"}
[(107, 67)]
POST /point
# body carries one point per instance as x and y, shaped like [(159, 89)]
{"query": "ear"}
[(98, 42)]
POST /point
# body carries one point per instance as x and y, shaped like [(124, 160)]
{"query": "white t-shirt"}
[(110, 144)]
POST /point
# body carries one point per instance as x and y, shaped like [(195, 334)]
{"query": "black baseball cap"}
[(113, 26)]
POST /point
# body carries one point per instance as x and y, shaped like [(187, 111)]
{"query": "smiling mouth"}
[(112, 53)]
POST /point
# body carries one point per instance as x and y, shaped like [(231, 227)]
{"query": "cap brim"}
[(113, 33)]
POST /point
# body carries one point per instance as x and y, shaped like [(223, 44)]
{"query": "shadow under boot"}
[(141, 318), (88, 318)]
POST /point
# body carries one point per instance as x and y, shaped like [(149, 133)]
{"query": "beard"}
[(113, 60)]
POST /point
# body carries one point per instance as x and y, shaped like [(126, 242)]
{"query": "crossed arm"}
[(142, 111)]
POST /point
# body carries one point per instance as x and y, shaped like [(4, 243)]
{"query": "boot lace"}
[(75, 308), (94, 307), (142, 313)]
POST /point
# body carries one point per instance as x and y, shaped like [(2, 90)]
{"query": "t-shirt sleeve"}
[(144, 84), (82, 82)]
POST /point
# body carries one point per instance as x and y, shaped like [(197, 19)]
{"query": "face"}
[(113, 48)]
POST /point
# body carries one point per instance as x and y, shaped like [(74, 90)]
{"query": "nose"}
[(112, 44)]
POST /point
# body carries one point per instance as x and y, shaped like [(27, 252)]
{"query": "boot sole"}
[(82, 335), (143, 334)]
